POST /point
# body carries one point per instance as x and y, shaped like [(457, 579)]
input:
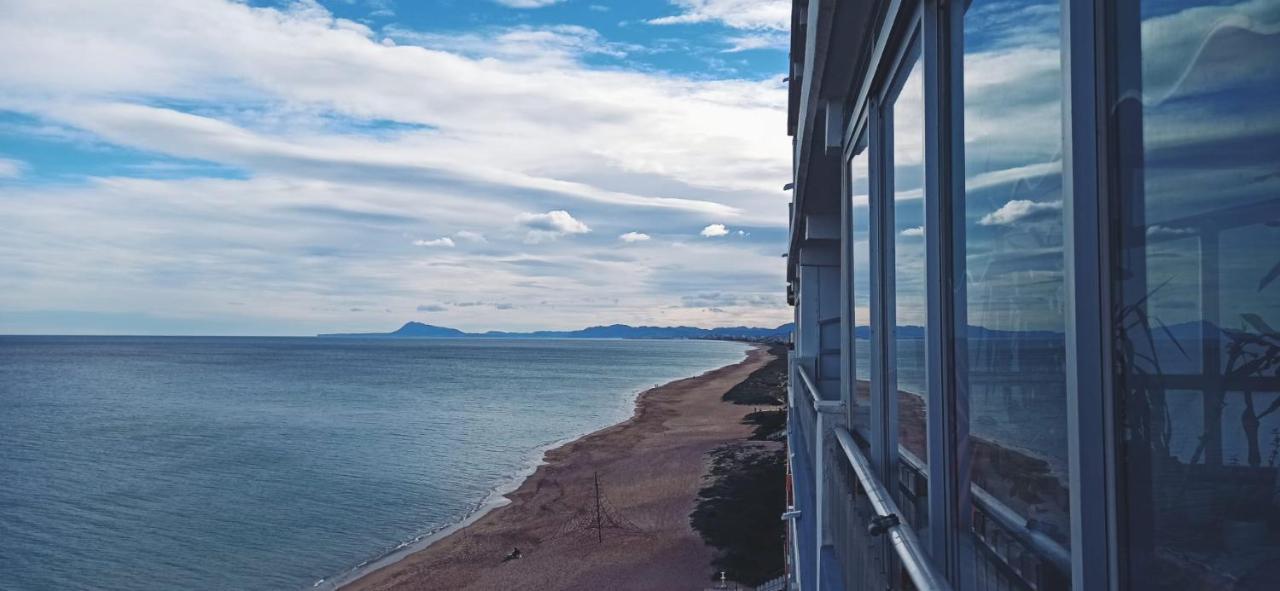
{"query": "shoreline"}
[(401, 567), (495, 499)]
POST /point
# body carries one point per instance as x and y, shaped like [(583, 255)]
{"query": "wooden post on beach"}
[(599, 522)]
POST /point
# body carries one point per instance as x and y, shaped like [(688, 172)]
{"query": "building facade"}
[(1035, 264)]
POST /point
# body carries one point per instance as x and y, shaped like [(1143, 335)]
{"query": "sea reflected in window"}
[(909, 293), (1197, 358), (860, 226), (1015, 293)]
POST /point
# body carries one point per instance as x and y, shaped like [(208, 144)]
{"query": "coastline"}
[(468, 554)]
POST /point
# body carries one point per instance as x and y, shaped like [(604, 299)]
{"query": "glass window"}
[(908, 266), (860, 226), (1015, 344), (1197, 303)]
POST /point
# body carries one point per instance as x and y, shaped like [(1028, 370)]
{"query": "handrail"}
[(793, 538), (1022, 529), (1018, 526), (819, 404), (911, 460), (914, 560)]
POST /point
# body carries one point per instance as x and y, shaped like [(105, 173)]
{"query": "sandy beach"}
[(650, 469)]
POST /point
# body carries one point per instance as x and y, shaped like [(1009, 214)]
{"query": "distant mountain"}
[(975, 332), (409, 330), (613, 331), (1187, 331)]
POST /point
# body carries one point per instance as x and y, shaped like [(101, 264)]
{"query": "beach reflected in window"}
[(909, 293), (1014, 284)]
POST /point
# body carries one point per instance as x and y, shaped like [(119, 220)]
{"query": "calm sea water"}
[(271, 463)]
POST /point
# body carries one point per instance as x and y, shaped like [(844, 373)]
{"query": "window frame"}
[(1090, 176), (928, 30), (1090, 170)]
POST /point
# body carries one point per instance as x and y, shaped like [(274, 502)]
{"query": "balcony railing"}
[(1011, 552), (1015, 552), (922, 572)]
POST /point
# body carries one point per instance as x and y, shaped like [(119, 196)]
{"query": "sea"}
[(141, 463)]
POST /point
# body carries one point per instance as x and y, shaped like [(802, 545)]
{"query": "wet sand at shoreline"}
[(650, 469)]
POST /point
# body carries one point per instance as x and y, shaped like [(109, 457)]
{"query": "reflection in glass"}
[(909, 292), (1014, 284), (860, 226), (1197, 355)]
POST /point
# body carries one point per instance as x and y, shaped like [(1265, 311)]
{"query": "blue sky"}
[(220, 167)]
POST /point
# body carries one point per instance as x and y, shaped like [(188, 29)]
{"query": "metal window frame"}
[(937, 27), (946, 355), (899, 69), (924, 29), (1088, 172), (883, 447), (907, 51), (856, 145), (1088, 199)]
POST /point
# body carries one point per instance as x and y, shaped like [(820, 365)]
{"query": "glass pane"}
[(1015, 293), (909, 292), (860, 225), (1198, 353)]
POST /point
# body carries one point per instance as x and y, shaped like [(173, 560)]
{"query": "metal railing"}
[(1022, 530), (922, 572), (1050, 562), (819, 405), (1011, 567), (816, 454)]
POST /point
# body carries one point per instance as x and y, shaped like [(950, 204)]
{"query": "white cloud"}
[(545, 227), (469, 236), (738, 14), (758, 40), (714, 230), (343, 149), (553, 221), (1158, 232), (589, 122), (1020, 210), (913, 232), (444, 241), (527, 3), (10, 168), (524, 43), (633, 237), (248, 255)]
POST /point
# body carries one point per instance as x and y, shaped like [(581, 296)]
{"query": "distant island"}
[(419, 330)]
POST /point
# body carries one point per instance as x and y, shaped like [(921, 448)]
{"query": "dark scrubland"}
[(744, 494), (765, 386)]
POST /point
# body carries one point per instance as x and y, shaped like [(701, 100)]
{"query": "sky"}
[(297, 167)]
